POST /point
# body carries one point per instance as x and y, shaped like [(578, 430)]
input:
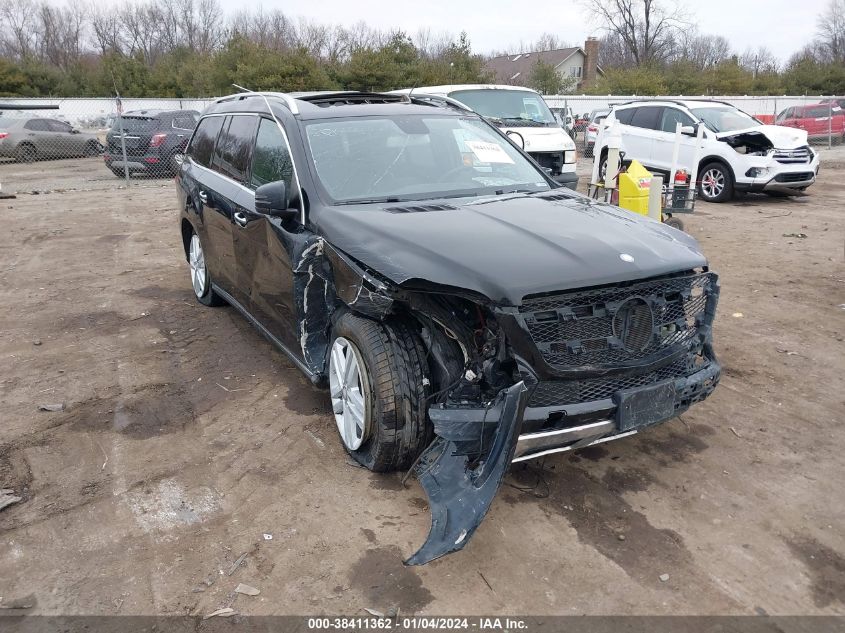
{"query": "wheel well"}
[(187, 231), (715, 159)]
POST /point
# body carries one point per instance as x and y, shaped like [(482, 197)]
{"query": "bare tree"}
[(703, 51), (432, 45), (646, 28), (107, 30), (759, 61), (831, 31), (20, 36)]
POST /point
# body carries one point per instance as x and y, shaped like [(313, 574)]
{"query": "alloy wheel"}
[(349, 393), (196, 260), (712, 183)]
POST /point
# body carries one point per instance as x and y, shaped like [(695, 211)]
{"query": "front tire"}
[(378, 391), (200, 279), (717, 183)]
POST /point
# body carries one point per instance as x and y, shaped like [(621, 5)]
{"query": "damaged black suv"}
[(463, 310)]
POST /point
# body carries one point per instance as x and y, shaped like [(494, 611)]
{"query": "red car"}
[(819, 120)]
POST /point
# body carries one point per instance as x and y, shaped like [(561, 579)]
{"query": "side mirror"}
[(690, 130), (273, 199), (74, 131)]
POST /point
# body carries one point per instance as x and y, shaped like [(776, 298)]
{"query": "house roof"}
[(518, 67)]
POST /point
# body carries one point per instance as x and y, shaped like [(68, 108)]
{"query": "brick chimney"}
[(591, 48)]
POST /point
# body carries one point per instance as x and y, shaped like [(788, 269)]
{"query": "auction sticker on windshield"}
[(489, 152)]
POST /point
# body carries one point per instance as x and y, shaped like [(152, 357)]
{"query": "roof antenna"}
[(411, 92)]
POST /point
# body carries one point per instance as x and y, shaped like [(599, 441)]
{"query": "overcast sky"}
[(784, 26)]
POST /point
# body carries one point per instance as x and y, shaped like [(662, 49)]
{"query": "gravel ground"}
[(187, 442)]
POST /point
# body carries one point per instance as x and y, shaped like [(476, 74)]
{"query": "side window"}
[(786, 114), (672, 116), (271, 160), (36, 125), (59, 126), (647, 117), (202, 145), (233, 154), (818, 113), (624, 116)]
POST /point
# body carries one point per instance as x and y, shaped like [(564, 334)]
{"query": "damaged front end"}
[(560, 371)]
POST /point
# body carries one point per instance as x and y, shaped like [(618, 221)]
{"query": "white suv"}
[(738, 153)]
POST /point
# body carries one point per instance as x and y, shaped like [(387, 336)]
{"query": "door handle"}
[(203, 196), (240, 218)]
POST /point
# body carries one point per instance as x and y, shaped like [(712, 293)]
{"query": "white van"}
[(522, 114)]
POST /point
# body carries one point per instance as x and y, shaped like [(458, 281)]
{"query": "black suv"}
[(153, 138), (464, 311)]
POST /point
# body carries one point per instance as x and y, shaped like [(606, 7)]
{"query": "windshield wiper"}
[(369, 201)]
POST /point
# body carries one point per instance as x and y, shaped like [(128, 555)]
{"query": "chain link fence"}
[(82, 144)]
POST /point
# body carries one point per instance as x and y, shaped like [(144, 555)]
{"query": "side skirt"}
[(314, 378)]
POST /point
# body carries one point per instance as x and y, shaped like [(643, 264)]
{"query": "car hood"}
[(780, 136), (542, 139), (511, 246)]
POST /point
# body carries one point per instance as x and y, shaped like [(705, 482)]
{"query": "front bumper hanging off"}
[(460, 491)]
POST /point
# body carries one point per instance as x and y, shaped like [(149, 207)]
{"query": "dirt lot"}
[(186, 439)]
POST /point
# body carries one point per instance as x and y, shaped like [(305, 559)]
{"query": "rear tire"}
[(92, 149), (392, 371), (26, 153), (717, 183), (200, 279)]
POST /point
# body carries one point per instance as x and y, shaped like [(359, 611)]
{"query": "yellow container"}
[(633, 188)]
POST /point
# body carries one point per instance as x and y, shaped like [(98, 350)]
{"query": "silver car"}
[(29, 139)]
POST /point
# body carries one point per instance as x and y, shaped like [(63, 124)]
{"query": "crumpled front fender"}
[(458, 495)]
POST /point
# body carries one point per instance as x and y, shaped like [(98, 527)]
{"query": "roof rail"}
[(669, 100), (290, 102), (427, 99)]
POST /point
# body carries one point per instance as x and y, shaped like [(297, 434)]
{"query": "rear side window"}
[(624, 116), (59, 126), (37, 125), (233, 154), (817, 113), (202, 145), (672, 116), (647, 117), (184, 122), (271, 160)]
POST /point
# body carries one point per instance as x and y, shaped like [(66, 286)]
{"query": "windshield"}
[(726, 119), (386, 159), (514, 107)]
